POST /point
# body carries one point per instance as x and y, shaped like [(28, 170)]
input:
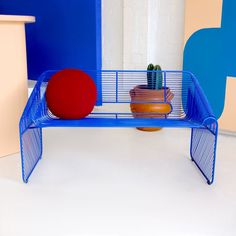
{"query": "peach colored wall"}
[(13, 80), (227, 121), (201, 14)]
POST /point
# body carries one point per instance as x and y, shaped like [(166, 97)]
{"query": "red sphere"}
[(71, 94)]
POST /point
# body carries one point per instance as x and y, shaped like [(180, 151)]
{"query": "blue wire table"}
[(190, 109)]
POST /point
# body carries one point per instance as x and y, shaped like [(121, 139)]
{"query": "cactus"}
[(159, 77), (154, 79), (149, 76)]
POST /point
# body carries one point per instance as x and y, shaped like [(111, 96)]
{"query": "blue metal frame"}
[(190, 109)]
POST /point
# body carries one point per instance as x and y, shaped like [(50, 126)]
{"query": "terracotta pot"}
[(144, 103)]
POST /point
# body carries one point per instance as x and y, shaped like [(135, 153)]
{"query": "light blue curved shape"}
[(210, 54)]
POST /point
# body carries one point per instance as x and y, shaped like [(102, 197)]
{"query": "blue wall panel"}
[(210, 55), (67, 33)]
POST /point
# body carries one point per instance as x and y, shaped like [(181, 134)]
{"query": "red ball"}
[(71, 94)]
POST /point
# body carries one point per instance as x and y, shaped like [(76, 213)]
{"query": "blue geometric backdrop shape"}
[(211, 55)]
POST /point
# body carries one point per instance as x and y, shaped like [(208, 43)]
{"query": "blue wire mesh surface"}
[(189, 108)]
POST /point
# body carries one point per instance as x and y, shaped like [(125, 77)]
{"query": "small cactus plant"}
[(155, 78)]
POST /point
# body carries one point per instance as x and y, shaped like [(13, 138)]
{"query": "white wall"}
[(136, 33), (166, 33), (112, 28)]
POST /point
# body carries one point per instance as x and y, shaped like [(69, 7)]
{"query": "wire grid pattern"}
[(31, 149), (116, 86), (190, 108), (203, 151), (115, 89), (30, 138)]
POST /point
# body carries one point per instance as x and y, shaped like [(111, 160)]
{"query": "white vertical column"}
[(166, 33), (112, 28), (135, 34)]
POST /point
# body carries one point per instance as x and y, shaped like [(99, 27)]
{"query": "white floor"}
[(118, 182)]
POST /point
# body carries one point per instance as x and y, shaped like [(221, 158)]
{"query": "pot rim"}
[(145, 87), (151, 95)]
